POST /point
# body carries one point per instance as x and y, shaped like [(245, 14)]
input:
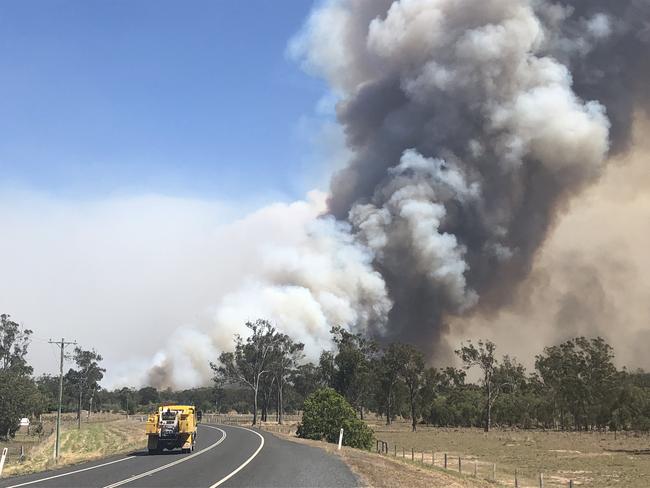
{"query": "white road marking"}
[(187, 458), (71, 472), (245, 463)]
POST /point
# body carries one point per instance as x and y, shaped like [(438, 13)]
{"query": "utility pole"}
[(61, 345)]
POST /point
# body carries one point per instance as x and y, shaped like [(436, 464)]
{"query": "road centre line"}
[(71, 472), (165, 466), (245, 463)]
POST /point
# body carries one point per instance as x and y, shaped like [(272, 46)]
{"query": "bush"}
[(325, 412)]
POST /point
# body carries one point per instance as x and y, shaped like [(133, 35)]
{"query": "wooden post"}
[(541, 480), (494, 471), (433, 457), (412, 454), (570, 483), (460, 467), (403, 453), (395, 446), (516, 479), (475, 469), (422, 457), (445, 460)]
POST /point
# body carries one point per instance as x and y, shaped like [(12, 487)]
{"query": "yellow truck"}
[(172, 427)]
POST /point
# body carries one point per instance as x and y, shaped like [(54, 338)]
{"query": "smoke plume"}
[(471, 126)]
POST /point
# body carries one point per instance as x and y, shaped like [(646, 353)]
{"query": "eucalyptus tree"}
[(483, 356), (250, 360)]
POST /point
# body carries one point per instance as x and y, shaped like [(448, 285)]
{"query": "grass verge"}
[(93, 441), (382, 471)]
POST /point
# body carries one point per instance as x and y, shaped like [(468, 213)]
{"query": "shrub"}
[(325, 412)]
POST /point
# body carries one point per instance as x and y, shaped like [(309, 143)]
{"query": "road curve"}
[(225, 456)]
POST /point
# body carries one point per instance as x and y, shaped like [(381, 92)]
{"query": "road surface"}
[(225, 456)]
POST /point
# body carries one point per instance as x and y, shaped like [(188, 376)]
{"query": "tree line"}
[(22, 395), (575, 385)]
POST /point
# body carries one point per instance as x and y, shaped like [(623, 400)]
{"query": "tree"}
[(484, 358), (18, 393), (285, 358), (249, 361), (412, 373), (18, 398), (148, 395), (352, 374), (307, 378), (580, 375), (388, 369), (325, 412), (14, 342), (86, 377)]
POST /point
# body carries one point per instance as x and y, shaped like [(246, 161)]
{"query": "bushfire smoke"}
[(471, 126)]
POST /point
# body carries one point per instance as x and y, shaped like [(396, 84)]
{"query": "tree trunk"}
[(79, 408), (488, 407), (280, 403), (255, 405), (90, 402), (388, 419), (413, 422)]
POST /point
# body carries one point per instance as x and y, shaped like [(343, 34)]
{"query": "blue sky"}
[(191, 98)]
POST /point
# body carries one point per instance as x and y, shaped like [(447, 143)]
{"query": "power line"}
[(61, 345)]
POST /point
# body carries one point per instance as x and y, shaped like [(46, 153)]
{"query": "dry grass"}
[(589, 459), (375, 470), (93, 441)]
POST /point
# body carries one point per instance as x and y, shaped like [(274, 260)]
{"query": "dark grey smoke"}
[(472, 124)]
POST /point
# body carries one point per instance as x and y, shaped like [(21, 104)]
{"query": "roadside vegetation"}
[(325, 412), (91, 441)]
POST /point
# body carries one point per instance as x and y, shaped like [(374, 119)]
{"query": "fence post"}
[(2, 460), (340, 439), (570, 483), (395, 446), (22, 452), (433, 457), (445, 460), (403, 454), (460, 466), (516, 478), (494, 471), (475, 469), (422, 457), (412, 454), (541, 480)]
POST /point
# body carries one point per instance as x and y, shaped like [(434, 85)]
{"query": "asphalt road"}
[(224, 456)]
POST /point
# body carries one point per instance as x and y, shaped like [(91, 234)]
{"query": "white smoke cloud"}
[(121, 275)]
